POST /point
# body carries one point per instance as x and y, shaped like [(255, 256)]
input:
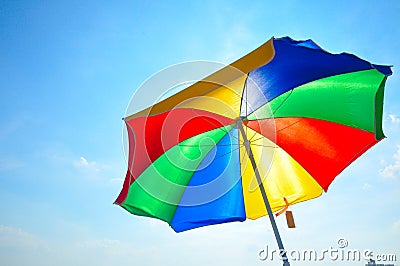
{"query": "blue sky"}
[(67, 72)]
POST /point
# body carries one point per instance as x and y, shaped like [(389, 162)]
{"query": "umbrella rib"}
[(208, 145), (252, 137), (246, 99), (267, 146), (232, 150), (280, 105), (233, 136), (280, 129), (235, 149), (213, 124), (247, 95), (244, 95), (287, 97), (290, 125), (262, 137)]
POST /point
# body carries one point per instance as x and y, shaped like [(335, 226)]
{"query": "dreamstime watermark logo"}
[(187, 132), (340, 253)]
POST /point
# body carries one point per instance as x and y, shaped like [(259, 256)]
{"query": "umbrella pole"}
[(263, 193)]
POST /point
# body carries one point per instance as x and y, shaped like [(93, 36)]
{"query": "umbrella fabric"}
[(307, 113)]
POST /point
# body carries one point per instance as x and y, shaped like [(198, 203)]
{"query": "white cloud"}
[(99, 243), (393, 170), (394, 119), (83, 163), (111, 251), (366, 186), (95, 170), (18, 247), (16, 237)]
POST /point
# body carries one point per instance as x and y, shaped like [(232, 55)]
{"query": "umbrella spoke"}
[(266, 146), (262, 137), (252, 137), (279, 106), (233, 150), (289, 125), (257, 139), (216, 126), (209, 145)]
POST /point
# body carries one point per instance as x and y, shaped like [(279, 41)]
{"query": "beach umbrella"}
[(270, 130)]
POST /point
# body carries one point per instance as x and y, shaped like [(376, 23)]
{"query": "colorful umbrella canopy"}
[(305, 113)]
